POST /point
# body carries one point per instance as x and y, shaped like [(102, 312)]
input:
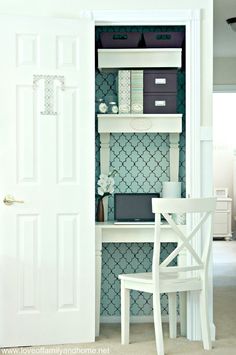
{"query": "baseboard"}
[(213, 332), (133, 319)]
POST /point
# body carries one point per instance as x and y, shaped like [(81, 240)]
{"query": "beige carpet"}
[(142, 335)]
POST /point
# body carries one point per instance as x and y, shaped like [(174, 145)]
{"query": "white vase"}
[(171, 189)]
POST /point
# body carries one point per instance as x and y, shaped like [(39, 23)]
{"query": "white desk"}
[(108, 232)]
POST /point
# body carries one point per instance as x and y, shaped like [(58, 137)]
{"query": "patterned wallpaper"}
[(142, 162)]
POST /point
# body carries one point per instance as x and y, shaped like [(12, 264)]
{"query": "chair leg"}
[(205, 322), (183, 313), (172, 314), (158, 324), (125, 313)]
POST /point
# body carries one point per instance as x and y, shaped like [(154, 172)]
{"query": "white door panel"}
[(47, 242)]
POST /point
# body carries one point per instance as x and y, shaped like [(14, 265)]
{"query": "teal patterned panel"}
[(142, 162), (128, 258)]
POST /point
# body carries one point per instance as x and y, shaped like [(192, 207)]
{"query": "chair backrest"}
[(202, 210)]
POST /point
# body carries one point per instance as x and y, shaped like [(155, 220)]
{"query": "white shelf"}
[(139, 123), (139, 58)]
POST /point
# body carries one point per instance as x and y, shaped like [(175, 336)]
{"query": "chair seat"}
[(145, 277), (169, 282)]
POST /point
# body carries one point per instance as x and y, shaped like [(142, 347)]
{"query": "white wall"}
[(72, 8), (224, 72)]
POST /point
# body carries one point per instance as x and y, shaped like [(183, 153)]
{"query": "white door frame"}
[(191, 20)]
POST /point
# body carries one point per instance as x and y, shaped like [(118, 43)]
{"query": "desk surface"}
[(112, 224), (108, 232)]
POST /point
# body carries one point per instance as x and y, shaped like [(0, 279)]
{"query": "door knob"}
[(9, 200)]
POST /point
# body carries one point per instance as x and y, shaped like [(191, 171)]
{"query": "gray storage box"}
[(159, 103), (163, 39), (160, 81), (120, 39)]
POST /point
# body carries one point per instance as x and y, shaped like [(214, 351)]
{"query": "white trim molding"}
[(155, 17), (206, 133), (206, 140), (206, 136), (134, 319), (193, 162), (193, 107)]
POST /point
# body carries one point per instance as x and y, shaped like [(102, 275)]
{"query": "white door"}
[(47, 161)]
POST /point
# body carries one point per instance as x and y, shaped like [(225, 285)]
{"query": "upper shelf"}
[(140, 123), (139, 58)]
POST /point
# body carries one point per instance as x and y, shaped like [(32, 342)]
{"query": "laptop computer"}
[(132, 208)]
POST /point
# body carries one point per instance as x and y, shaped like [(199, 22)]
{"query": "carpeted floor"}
[(142, 335)]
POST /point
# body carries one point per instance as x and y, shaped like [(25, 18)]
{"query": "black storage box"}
[(163, 39), (160, 81), (120, 39), (159, 103)]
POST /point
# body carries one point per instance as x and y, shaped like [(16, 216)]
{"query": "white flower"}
[(103, 177), (106, 184), (102, 183)]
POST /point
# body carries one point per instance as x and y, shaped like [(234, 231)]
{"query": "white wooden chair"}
[(171, 279)]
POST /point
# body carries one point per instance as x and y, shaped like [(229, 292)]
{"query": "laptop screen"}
[(134, 207)]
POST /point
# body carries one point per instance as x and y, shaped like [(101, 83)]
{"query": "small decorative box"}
[(161, 80), (163, 39), (120, 39), (160, 103)]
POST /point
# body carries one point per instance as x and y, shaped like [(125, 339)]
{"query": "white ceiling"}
[(224, 37)]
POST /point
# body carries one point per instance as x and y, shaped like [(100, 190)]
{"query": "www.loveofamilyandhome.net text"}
[(54, 350)]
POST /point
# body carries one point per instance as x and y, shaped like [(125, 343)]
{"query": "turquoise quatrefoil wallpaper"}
[(142, 162)]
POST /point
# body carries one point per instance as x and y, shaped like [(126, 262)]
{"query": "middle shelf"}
[(139, 123)]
